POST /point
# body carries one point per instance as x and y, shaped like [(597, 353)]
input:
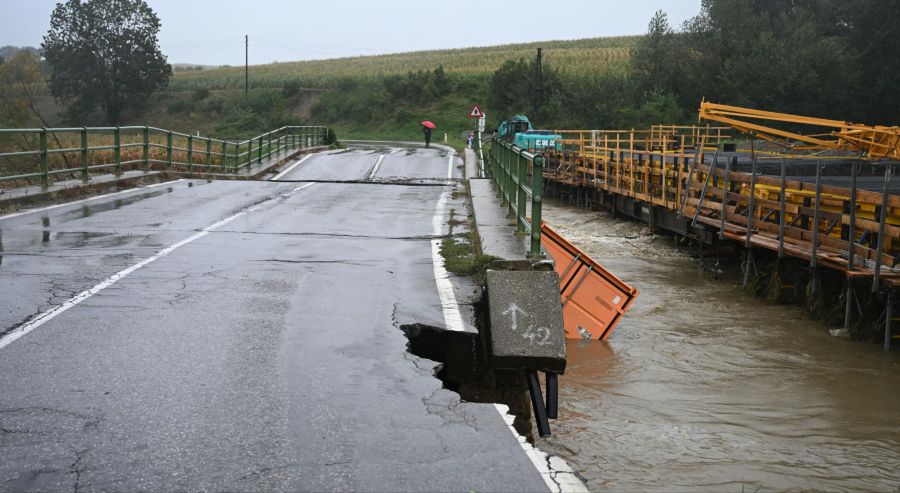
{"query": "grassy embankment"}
[(371, 97)]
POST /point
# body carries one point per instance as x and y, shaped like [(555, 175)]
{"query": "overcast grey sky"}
[(212, 31)]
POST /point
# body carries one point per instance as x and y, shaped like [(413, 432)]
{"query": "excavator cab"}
[(509, 128)]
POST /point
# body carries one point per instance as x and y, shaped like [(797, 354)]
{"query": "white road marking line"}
[(449, 306), (450, 165), (291, 168), (452, 317), (45, 317), (375, 168), (98, 197), (556, 473), (560, 478)]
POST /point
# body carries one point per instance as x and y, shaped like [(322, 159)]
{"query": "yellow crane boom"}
[(873, 142)]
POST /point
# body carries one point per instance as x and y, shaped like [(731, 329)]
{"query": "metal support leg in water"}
[(537, 403), (747, 268), (700, 253), (552, 395), (849, 296), (888, 316)]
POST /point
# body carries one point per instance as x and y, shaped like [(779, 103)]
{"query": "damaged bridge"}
[(245, 335)]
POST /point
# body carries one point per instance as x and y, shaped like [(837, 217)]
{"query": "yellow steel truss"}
[(873, 142)]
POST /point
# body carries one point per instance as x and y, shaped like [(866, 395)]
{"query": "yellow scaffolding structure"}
[(872, 142)]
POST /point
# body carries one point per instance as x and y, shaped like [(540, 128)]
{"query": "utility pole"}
[(246, 64), (538, 96)]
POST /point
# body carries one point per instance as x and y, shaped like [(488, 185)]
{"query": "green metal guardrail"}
[(95, 149), (519, 174)]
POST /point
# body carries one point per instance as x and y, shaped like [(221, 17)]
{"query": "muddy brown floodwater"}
[(704, 388)]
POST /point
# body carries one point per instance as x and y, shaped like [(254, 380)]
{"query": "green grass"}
[(461, 258)]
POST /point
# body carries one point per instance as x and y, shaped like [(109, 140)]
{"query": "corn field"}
[(585, 57)]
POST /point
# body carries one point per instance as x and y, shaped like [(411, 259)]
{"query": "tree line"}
[(839, 59), (98, 56), (831, 58)]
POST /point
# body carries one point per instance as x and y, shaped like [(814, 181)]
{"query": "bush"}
[(215, 105), (179, 107), (200, 94), (241, 120), (291, 88), (331, 137)]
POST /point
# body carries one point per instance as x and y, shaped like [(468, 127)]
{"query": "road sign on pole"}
[(476, 112)]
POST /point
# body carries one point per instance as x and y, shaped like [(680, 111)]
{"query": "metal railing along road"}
[(54, 152), (519, 175)]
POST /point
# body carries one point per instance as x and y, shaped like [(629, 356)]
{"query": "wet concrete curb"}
[(75, 188), (12, 199), (496, 230)]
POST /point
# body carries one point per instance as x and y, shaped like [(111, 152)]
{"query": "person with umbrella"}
[(426, 129)]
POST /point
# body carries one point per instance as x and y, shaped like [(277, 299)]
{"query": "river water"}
[(704, 388)]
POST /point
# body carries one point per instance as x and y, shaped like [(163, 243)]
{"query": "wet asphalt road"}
[(263, 354)]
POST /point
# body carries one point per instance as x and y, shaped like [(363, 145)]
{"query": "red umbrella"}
[(429, 124)]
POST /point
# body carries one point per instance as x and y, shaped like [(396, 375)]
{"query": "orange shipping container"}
[(593, 298)]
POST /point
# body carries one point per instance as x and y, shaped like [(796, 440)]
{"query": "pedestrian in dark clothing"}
[(427, 132)]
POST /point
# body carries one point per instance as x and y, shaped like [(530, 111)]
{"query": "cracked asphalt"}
[(264, 356)]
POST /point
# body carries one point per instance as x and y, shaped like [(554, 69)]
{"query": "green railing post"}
[(511, 184), (168, 149), (259, 159), (499, 178), (45, 167), (190, 154), (506, 177), (522, 166), (146, 155), (249, 152), (208, 154), (85, 175), (117, 142), (491, 161), (496, 163), (537, 198), (223, 163)]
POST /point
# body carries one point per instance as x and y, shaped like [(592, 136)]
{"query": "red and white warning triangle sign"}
[(476, 112)]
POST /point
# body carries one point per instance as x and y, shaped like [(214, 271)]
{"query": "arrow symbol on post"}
[(512, 311)]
